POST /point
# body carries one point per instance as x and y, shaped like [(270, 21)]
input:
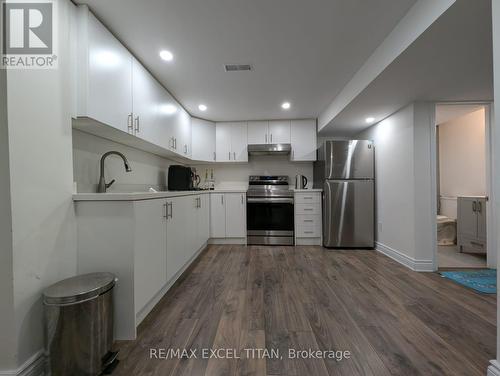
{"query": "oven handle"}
[(265, 200)]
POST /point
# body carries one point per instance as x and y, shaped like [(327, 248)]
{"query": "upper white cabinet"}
[(203, 140), (269, 132), (304, 140), (104, 76), (231, 142), (116, 90), (258, 132), (279, 132)]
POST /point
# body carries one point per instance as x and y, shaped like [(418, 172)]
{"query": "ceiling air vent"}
[(237, 67)]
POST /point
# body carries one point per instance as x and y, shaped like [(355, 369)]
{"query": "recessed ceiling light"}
[(370, 120), (286, 105), (202, 107), (166, 55)]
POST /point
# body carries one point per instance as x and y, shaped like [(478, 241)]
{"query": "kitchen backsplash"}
[(149, 170), (230, 175)]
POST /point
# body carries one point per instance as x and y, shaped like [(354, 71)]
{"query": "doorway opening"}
[(463, 186)]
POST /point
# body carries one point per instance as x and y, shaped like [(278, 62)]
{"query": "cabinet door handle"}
[(130, 126), (308, 209), (474, 206), (165, 210), (266, 137), (308, 232), (479, 206), (137, 128), (222, 199), (271, 138), (234, 156), (308, 198), (308, 220), (242, 200), (171, 214), (229, 155), (185, 149), (214, 156)]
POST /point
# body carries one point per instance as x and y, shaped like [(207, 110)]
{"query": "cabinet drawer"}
[(308, 232), (313, 209), (307, 198), (308, 221)]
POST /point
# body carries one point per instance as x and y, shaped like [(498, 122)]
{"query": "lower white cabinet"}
[(308, 221), (147, 244), (228, 215), (150, 250)]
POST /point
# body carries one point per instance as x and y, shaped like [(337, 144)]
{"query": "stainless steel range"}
[(270, 215)]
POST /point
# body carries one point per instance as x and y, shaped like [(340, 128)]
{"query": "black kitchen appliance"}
[(270, 214), (180, 178)]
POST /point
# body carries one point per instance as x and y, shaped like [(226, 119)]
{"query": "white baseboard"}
[(236, 241), (494, 368), (308, 241), (409, 262), (34, 366)]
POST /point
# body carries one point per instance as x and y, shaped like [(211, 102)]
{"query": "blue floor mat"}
[(482, 280)]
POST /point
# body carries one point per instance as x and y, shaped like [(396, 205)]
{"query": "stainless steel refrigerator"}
[(345, 170)]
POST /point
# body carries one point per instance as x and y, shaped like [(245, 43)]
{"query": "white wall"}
[(236, 174), (7, 322), (39, 104), (147, 169), (403, 184), (462, 159), (393, 140)]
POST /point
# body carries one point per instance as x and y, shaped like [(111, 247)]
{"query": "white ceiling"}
[(451, 61), (302, 51), (449, 112)]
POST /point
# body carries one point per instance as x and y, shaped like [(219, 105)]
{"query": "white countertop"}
[(136, 196)]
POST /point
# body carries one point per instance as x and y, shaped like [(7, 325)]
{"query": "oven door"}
[(270, 220)]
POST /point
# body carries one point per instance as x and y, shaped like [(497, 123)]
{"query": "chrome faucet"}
[(103, 186)]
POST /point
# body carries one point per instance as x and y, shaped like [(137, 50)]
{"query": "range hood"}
[(269, 149)]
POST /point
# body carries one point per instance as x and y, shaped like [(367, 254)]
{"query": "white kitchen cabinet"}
[(150, 263), (223, 142), (217, 215), (228, 215), (308, 219), (177, 214), (258, 132), (236, 218), (203, 140), (104, 74), (279, 132), (202, 220), (150, 122), (183, 140), (303, 136), (231, 142)]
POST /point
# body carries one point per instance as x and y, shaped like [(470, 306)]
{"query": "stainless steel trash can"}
[(79, 325)]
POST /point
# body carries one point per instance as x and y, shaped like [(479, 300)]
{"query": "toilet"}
[(446, 230)]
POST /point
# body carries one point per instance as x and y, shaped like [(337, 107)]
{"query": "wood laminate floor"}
[(392, 321)]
